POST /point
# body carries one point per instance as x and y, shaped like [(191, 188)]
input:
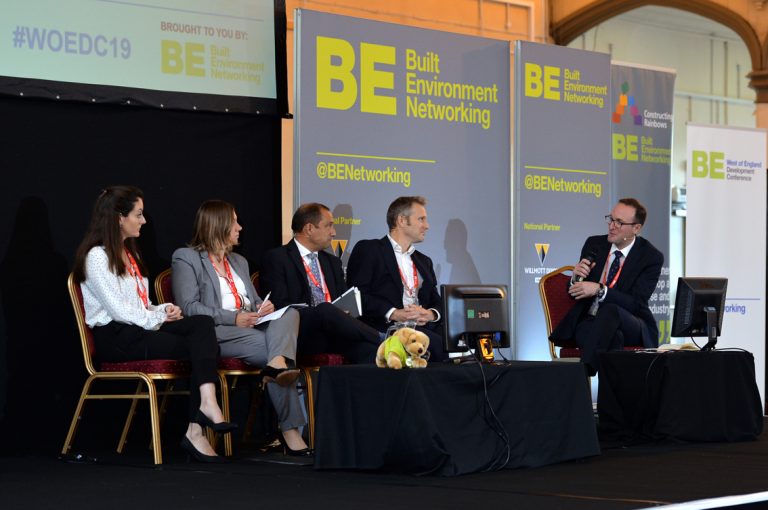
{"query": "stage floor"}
[(621, 478)]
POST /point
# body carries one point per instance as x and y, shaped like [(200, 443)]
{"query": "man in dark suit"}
[(612, 284), (302, 272), (397, 282)]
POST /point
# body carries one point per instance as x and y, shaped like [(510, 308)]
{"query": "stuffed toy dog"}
[(404, 348)]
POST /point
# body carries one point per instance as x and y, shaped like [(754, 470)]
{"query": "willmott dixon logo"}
[(624, 102), (339, 246), (541, 250)]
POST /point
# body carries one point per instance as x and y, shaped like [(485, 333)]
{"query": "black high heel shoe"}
[(287, 450), (281, 376), (196, 454), (221, 427)]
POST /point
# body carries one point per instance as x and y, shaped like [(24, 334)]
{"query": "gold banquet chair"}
[(146, 372), (229, 368), (553, 289)]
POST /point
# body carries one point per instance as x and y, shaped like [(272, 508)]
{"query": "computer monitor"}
[(475, 313), (699, 308)]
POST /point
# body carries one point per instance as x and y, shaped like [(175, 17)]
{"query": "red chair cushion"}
[(322, 360), (235, 364), (152, 366), (570, 352), (575, 352)]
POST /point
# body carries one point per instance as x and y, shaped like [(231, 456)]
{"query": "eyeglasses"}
[(610, 220)]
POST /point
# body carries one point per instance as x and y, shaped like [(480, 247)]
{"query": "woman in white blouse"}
[(209, 279), (128, 327)]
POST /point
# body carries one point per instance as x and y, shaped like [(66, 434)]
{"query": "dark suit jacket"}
[(284, 276), (637, 281), (373, 269)]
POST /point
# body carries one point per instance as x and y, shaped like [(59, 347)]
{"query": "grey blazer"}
[(196, 285)]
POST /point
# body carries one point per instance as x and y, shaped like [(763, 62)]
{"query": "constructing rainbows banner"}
[(641, 155)]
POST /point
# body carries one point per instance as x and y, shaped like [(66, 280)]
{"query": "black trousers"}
[(325, 328), (611, 329), (190, 339)]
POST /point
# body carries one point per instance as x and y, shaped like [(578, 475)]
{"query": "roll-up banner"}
[(562, 166), (641, 118), (384, 110), (725, 228)]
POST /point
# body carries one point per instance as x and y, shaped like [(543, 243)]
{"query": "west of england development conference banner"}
[(725, 228), (384, 110), (587, 134)]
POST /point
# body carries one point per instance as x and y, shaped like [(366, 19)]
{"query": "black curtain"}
[(54, 159)]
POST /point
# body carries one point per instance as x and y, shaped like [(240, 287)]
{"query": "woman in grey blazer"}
[(209, 279)]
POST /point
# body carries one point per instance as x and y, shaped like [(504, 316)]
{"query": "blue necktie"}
[(317, 290), (614, 267)]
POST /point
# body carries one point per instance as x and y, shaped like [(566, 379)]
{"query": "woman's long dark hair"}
[(104, 230)]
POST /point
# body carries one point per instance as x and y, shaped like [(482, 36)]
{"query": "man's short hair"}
[(640, 211), (307, 213), (402, 207)]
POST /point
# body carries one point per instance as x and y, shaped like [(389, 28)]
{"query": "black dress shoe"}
[(194, 453), (304, 452), (287, 450), (221, 427), (281, 376)]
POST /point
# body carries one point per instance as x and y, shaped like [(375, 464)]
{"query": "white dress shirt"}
[(227, 298), (304, 252), (407, 270), (624, 251), (407, 267)]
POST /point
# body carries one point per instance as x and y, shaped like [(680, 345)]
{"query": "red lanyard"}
[(319, 285), (411, 291), (133, 270), (605, 270), (230, 281)]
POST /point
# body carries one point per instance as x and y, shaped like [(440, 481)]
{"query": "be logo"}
[(337, 86), (542, 81), (707, 164)]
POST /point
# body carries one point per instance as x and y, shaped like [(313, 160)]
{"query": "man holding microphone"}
[(612, 284)]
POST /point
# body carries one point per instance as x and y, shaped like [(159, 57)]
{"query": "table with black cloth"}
[(681, 395), (436, 420)]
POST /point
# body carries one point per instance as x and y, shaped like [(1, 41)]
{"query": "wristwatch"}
[(601, 292)]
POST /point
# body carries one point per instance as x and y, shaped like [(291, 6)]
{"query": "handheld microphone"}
[(591, 258)]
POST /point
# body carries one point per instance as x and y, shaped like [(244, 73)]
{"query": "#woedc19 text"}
[(428, 96)]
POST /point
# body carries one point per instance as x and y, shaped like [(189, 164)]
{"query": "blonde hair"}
[(213, 224)]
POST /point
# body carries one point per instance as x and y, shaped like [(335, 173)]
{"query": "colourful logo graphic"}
[(339, 246), (541, 250), (624, 101)]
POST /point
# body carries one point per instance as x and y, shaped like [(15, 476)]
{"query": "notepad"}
[(350, 302), (272, 316)]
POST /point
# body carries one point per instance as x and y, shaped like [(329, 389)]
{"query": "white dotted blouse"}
[(108, 297)]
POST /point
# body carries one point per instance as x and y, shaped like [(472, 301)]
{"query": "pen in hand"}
[(266, 298)]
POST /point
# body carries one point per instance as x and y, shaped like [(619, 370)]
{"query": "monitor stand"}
[(711, 328)]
